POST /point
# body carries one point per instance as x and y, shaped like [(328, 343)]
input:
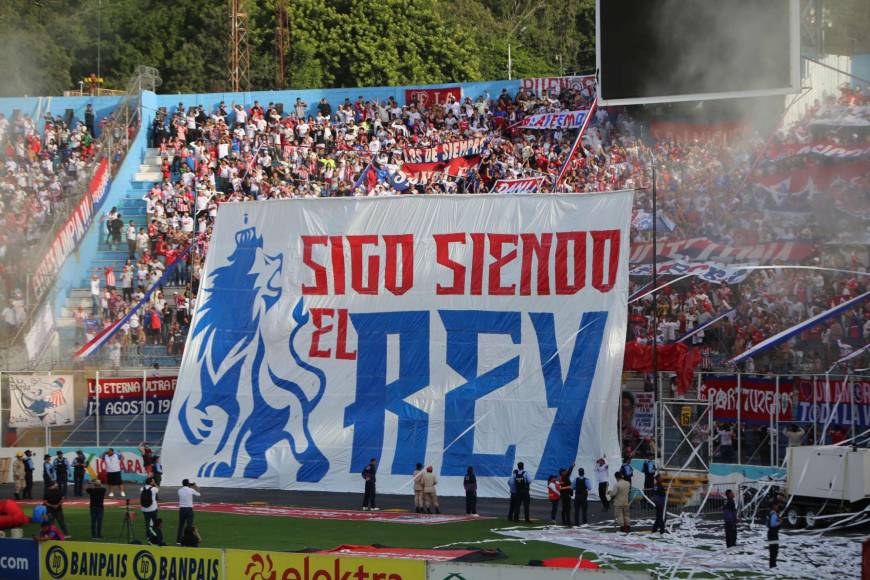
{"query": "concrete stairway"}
[(132, 207)]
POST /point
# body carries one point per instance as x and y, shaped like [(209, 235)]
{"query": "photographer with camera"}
[(186, 493), (148, 501)]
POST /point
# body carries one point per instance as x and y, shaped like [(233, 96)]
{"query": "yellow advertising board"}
[(262, 565), (93, 560)]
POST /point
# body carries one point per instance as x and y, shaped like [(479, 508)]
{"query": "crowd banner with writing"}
[(645, 414), (73, 230), (428, 97), (431, 329), (520, 185), (41, 400), (97, 561), (759, 398), (132, 465), (123, 396), (834, 402), (703, 249), (427, 172), (708, 271), (256, 565), (562, 120), (554, 85), (821, 148), (19, 559), (445, 151)]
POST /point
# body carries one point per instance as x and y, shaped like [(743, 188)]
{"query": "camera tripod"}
[(128, 531)]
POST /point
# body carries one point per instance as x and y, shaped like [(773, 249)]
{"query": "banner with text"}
[(41, 400), (431, 329), (703, 249), (708, 271), (834, 401), (97, 561), (429, 97), (758, 395), (415, 173), (554, 85), (132, 463), (259, 565), (73, 230), (563, 120), (520, 185), (123, 396), (445, 151)]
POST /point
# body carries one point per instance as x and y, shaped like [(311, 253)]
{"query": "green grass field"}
[(289, 534)]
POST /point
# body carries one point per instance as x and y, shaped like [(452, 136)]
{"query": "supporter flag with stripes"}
[(109, 331)]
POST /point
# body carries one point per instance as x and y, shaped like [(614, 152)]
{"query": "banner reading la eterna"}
[(446, 330), (123, 396)]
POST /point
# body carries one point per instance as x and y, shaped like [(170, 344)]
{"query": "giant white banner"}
[(452, 331)]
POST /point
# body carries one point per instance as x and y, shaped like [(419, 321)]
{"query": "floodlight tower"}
[(240, 50)]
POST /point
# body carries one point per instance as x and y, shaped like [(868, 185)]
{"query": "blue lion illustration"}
[(243, 403)]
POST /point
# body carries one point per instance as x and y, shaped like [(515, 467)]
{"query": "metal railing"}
[(108, 407)]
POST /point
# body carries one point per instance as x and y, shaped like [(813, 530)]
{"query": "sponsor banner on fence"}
[(563, 120), (823, 401), (123, 396), (258, 565), (41, 400), (758, 394), (703, 249), (463, 571), (408, 329), (554, 85), (645, 414), (709, 271), (132, 465), (520, 185), (73, 230), (19, 559), (445, 151), (429, 97), (90, 560)]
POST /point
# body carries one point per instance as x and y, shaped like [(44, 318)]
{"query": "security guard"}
[(729, 515), (774, 522), (582, 487)]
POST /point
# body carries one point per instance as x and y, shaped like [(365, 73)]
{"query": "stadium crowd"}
[(712, 187), (41, 170)]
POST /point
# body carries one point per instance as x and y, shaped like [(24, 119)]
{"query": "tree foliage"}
[(50, 45)]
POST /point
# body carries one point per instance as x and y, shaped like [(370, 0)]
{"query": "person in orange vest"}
[(553, 495)]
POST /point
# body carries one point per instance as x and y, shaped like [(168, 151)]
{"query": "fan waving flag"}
[(107, 333), (576, 145)]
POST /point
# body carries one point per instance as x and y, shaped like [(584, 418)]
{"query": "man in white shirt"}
[(148, 501), (186, 493), (602, 476), (113, 472)]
